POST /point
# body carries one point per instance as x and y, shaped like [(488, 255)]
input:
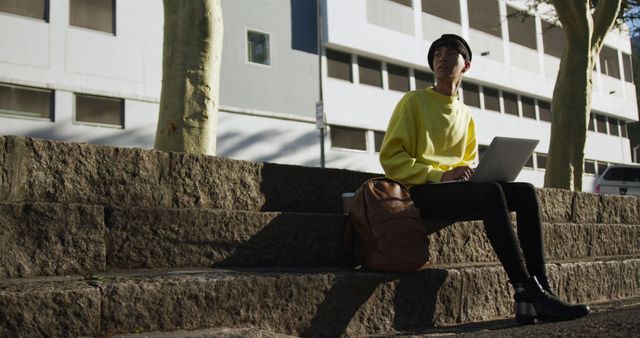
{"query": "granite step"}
[(492, 328), (294, 302), (63, 172), (43, 239), (208, 333), (170, 238), (74, 173)]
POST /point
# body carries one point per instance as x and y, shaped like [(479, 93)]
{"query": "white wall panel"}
[(359, 105), (524, 58), (24, 41), (391, 15), (265, 139), (433, 27), (481, 42)]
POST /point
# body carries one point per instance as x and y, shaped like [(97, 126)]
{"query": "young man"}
[(431, 138)]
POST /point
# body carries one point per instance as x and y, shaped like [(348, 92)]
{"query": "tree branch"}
[(575, 17), (604, 16)]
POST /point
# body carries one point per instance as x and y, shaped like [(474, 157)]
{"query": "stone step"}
[(43, 239), (170, 238), (208, 333), (491, 328), (297, 302), (49, 171), (63, 172)]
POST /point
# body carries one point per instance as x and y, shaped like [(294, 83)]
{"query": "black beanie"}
[(450, 40)]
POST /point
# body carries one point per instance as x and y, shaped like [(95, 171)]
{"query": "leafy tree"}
[(191, 58), (585, 24)]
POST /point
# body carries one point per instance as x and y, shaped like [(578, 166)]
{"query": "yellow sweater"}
[(428, 134)]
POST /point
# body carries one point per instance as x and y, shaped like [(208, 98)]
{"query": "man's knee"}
[(526, 189), (520, 188), (526, 186), (491, 191)]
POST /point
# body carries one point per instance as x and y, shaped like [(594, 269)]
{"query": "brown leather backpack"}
[(384, 230)]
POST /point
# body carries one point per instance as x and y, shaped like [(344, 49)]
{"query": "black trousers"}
[(491, 203)]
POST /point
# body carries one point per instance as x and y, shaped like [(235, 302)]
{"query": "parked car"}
[(620, 179)]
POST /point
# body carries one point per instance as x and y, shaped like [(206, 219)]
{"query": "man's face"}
[(448, 64)]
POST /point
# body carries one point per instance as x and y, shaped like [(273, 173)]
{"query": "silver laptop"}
[(504, 159)]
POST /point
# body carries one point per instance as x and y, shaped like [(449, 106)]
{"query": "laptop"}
[(503, 160)]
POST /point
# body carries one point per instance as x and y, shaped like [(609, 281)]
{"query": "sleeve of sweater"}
[(397, 154), (471, 149)]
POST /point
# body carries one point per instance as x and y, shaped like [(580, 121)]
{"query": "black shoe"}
[(534, 304)]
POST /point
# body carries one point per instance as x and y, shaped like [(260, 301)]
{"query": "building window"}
[(99, 110), (590, 167), (348, 138), (528, 107), (258, 49), (403, 2), (627, 67), (609, 62), (37, 9), (591, 125), (98, 15), (26, 101), (471, 93), (613, 127), (423, 79), (544, 111), (552, 39), (541, 161), (448, 10), (522, 28), (510, 103), (370, 71), (601, 124), (378, 137), (398, 78), (339, 65), (623, 129), (484, 15), (491, 99)]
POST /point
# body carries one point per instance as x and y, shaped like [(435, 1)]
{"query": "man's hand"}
[(457, 174)]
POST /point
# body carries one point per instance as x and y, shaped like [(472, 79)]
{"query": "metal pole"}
[(319, 28), (322, 147)]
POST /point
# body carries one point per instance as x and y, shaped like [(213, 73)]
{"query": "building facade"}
[(91, 71)]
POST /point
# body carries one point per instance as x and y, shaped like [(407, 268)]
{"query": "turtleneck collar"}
[(441, 97)]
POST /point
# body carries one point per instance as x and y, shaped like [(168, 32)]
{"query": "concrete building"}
[(90, 71)]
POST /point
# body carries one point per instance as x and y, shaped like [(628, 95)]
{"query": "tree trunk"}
[(571, 104), (192, 52)]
